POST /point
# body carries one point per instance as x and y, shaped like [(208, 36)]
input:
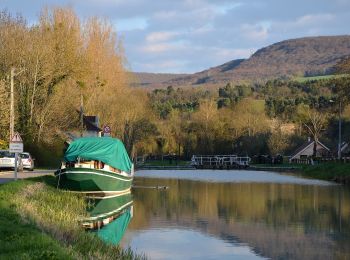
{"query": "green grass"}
[(166, 162), (39, 222), (339, 172), (282, 165), (305, 79)]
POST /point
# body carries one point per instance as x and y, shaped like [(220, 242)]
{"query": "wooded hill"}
[(308, 56)]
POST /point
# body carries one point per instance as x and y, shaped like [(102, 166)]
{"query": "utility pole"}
[(81, 115), (339, 127), (12, 106), (339, 140), (12, 117)]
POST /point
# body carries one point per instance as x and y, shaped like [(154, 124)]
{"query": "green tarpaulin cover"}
[(109, 150)]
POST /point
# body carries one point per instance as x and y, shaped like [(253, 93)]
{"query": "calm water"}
[(238, 215)]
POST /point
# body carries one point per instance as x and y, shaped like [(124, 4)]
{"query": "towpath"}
[(6, 176)]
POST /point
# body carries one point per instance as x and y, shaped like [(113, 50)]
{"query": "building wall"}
[(321, 151)]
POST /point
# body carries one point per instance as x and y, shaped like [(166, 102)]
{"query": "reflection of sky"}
[(185, 244), (237, 176)]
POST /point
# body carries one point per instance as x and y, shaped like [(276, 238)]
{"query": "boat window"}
[(114, 169), (70, 164), (98, 165)]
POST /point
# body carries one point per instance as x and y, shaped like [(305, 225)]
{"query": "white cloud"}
[(167, 66), (160, 36), (314, 19), (161, 47), (228, 54), (128, 24), (254, 32), (306, 25)]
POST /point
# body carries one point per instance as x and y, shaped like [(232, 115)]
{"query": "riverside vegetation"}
[(338, 172), (40, 222), (62, 57)]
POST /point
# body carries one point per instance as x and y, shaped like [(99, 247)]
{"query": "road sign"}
[(16, 138), (16, 148), (106, 131), (16, 144)]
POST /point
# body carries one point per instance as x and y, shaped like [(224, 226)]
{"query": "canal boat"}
[(97, 166)]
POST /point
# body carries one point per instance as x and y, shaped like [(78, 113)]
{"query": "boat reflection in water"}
[(109, 216)]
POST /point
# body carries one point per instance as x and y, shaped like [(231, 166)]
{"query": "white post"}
[(339, 134), (16, 158)]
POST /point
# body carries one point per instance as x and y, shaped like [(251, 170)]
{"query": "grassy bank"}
[(39, 222), (339, 172), (281, 165)]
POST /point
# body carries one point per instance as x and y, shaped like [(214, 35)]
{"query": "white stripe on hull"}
[(105, 175), (104, 215), (110, 193)]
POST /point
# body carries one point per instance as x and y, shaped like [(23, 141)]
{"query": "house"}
[(345, 149), (90, 124), (90, 128), (307, 150)]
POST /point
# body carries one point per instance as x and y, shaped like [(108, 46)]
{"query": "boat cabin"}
[(92, 164)]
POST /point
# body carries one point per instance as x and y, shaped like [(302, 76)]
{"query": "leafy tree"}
[(4, 115), (278, 141)]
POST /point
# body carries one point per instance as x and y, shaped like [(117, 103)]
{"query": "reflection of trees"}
[(277, 220)]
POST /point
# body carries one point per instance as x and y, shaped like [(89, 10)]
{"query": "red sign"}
[(106, 129), (16, 138)]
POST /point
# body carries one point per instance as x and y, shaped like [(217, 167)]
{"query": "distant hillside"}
[(310, 56), (154, 79)]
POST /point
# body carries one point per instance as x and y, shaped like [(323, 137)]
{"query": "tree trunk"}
[(315, 147)]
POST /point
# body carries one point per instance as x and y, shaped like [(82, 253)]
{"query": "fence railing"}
[(312, 161), (220, 161)]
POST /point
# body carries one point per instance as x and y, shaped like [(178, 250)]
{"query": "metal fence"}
[(220, 161)]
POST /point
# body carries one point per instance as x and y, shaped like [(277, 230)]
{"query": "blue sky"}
[(185, 36)]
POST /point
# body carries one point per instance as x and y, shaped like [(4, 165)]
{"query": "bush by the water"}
[(339, 172)]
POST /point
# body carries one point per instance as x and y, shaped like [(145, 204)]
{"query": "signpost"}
[(16, 146), (106, 130)]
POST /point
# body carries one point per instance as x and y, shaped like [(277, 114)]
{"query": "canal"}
[(207, 214)]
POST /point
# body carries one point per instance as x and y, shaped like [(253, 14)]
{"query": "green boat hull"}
[(107, 206), (114, 231), (92, 181)]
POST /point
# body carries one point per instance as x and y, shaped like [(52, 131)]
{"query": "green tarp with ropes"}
[(109, 150)]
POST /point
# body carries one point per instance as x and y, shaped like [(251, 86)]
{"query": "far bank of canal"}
[(337, 172)]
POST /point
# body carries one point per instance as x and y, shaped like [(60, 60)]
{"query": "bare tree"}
[(315, 123)]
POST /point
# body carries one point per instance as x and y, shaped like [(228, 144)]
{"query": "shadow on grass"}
[(47, 179)]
